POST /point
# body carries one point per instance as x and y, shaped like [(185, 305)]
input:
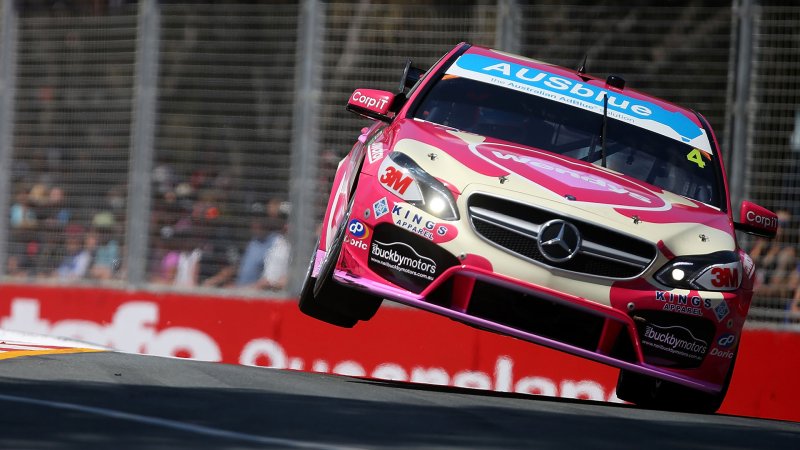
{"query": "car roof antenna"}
[(603, 131), (582, 69)]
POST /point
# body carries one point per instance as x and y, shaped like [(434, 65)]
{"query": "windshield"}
[(514, 116)]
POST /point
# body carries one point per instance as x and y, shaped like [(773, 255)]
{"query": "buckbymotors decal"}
[(640, 112), (402, 257), (407, 259), (673, 342)]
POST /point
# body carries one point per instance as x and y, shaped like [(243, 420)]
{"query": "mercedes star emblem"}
[(558, 240)]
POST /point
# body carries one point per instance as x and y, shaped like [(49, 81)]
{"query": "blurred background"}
[(139, 138)]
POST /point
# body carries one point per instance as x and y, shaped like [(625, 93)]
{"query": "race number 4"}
[(696, 157)]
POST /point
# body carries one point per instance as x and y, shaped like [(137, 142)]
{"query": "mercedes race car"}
[(548, 205)]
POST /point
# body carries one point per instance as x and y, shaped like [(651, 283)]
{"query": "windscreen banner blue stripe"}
[(544, 84)]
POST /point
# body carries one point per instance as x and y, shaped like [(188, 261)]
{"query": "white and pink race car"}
[(549, 205)]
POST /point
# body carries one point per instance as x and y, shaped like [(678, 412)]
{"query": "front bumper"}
[(570, 324)]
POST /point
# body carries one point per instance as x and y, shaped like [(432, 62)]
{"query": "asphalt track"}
[(113, 400)]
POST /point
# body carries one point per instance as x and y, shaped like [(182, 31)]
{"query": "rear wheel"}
[(650, 392), (325, 299)]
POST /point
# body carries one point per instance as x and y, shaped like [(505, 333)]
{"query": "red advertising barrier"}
[(398, 344)]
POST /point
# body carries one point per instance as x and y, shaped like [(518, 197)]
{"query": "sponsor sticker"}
[(749, 265), (374, 152), (358, 229), (371, 99), (358, 234), (380, 208), (642, 113), (567, 176), (680, 303), (768, 221), (673, 342), (688, 303), (724, 277), (721, 311), (401, 257), (417, 222), (726, 340), (397, 180), (727, 354)]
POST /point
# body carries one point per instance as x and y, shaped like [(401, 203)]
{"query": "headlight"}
[(402, 176), (719, 271)]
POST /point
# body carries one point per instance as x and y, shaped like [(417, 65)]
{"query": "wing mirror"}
[(377, 105), (371, 103), (757, 220), (411, 75)]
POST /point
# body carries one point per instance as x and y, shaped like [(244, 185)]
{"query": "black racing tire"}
[(652, 393), (325, 299), (314, 307)]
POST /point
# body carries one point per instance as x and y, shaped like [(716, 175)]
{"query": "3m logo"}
[(397, 180), (394, 180), (725, 277), (721, 277)]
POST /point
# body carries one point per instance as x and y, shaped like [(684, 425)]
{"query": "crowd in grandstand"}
[(193, 241), (778, 268)]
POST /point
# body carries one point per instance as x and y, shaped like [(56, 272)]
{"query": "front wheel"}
[(312, 305), (325, 299)]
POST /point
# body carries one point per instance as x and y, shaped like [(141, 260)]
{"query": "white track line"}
[(166, 423), (7, 346)]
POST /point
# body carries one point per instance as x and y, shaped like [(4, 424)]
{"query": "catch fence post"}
[(305, 141), (143, 131), (8, 72)]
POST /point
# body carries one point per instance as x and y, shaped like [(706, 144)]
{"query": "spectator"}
[(251, 265), (187, 269), (274, 275), (220, 254), (22, 250), (79, 247), (22, 213), (165, 257), (107, 255), (55, 211), (262, 231)]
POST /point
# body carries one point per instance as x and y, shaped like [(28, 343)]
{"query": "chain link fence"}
[(773, 157), (148, 129)]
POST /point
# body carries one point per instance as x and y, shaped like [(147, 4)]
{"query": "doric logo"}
[(558, 240)]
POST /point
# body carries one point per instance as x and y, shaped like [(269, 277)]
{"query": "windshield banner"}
[(639, 112)]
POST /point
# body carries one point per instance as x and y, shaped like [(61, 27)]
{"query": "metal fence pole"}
[(305, 142), (8, 70), (509, 29), (142, 140), (739, 146)]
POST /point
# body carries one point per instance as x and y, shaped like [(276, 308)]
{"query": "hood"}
[(464, 159)]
